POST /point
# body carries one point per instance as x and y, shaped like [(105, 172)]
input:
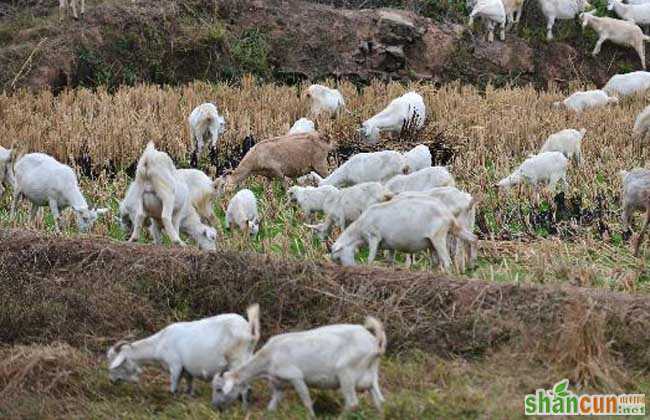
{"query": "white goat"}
[(642, 124), (204, 124), (161, 196), (346, 205), (342, 356), (568, 142), (64, 4), (636, 197), (396, 116), (198, 349), (407, 225), (621, 85), (202, 191), (324, 100), (242, 211), (418, 157), (633, 13), (463, 206), (46, 182), (618, 31), (562, 10), (494, 14), (311, 199), (368, 167), (189, 221), (424, 179), (544, 167), (581, 101), (7, 158), (303, 125)]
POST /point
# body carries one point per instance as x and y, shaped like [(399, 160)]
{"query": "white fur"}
[(547, 167), (582, 101), (342, 356), (494, 13), (418, 157), (303, 125), (199, 349), (368, 167), (621, 85), (424, 179), (311, 199), (202, 192), (324, 100), (46, 182), (242, 211), (408, 225), (561, 10), (633, 13), (400, 111), (205, 124), (568, 142)]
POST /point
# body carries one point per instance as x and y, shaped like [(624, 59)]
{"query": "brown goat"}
[(283, 157)]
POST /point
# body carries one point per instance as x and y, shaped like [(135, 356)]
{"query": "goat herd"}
[(389, 199)]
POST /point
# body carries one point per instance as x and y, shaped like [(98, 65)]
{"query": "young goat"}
[(494, 13), (581, 101), (311, 199), (636, 197), (561, 9), (198, 349), (544, 167), (568, 142), (339, 356), (424, 179), (46, 182), (418, 157), (242, 212), (324, 100), (368, 167)]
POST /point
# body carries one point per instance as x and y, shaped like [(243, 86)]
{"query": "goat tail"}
[(253, 314), (376, 327), (461, 232)]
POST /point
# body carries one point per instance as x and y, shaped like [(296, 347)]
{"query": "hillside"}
[(171, 42)]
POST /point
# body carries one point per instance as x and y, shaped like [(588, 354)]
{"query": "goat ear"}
[(117, 361)]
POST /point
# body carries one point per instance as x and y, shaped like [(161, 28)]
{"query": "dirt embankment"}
[(288, 41), (90, 291)]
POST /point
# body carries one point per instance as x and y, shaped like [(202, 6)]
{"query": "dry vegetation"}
[(573, 238)]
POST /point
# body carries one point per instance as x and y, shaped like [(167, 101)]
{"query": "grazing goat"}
[(561, 9), (7, 159), (407, 225), (544, 167), (302, 126), (324, 100), (634, 13), (242, 212), (618, 31), (160, 194), (64, 4), (202, 191), (283, 157), (342, 356), (636, 197), (311, 199), (346, 205), (44, 181), (368, 167), (205, 123), (621, 85), (494, 13), (418, 157), (407, 109), (581, 101), (463, 206), (424, 179), (568, 142), (195, 350)]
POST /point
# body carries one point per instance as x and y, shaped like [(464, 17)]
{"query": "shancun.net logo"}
[(560, 401)]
